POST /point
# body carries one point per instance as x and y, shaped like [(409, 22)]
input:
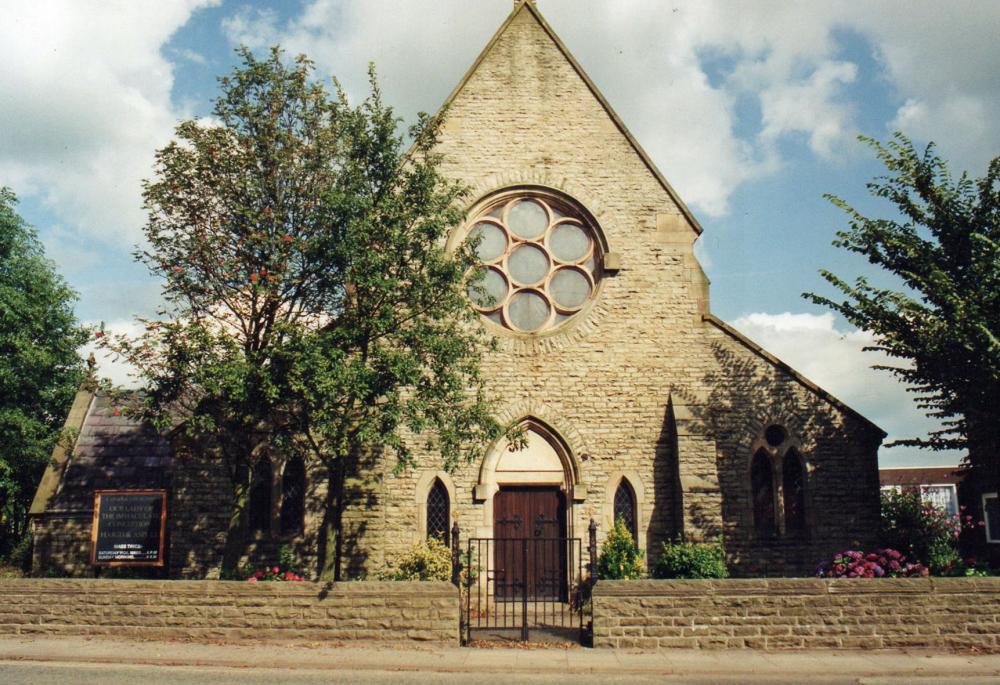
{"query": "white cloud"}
[(648, 58), (834, 359), (118, 371), (85, 101)]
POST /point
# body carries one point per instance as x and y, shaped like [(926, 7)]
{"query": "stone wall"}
[(62, 543), (386, 612), (933, 613)]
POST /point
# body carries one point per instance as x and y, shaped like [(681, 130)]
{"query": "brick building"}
[(638, 402)]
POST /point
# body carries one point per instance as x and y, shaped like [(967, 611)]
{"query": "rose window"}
[(541, 263)]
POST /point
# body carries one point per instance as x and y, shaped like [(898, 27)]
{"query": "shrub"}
[(285, 570), (620, 558), (879, 563), (428, 560), (691, 560), (922, 532)]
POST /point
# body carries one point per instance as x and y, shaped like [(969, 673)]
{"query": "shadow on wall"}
[(747, 395), (666, 517), (361, 504)]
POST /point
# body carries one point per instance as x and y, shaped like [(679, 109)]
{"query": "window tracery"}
[(625, 508), (540, 262), (438, 513), (793, 492), (259, 502), (293, 493), (762, 486)]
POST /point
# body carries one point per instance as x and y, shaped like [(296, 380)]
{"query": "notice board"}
[(129, 527)]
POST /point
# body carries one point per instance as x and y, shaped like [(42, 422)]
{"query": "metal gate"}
[(529, 588)]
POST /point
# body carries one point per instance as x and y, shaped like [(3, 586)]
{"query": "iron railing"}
[(524, 588)]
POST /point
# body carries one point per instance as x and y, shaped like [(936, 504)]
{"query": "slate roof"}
[(112, 452), (921, 475)]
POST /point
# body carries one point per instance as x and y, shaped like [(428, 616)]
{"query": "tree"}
[(943, 325), (311, 306), (40, 369)]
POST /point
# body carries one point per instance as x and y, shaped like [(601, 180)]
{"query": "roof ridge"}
[(802, 380), (530, 6)]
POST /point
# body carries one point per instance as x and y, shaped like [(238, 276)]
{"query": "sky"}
[(750, 109)]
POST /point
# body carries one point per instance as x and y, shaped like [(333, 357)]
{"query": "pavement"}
[(57, 659)]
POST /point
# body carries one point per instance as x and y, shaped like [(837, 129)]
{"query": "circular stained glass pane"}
[(569, 242), (492, 241), (528, 219), (570, 288), (528, 264), (490, 291), (528, 311)]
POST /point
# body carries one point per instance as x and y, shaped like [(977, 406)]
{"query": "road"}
[(46, 673)]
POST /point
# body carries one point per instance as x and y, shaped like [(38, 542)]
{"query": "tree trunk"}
[(237, 527), (330, 532)]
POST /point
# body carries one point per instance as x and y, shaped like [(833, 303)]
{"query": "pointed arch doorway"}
[(531, 518)]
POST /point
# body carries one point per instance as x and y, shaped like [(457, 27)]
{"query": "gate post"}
[(592, 548), (456, 555)]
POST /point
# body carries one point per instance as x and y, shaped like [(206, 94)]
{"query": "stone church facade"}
[(638, 402)]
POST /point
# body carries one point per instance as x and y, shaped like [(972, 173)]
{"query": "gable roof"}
[(110, 452), (529, 6), (782, 366)]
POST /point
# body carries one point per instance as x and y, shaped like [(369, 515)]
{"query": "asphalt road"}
[(41, 673)]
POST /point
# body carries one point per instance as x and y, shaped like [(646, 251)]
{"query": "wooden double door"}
[(530, 543)]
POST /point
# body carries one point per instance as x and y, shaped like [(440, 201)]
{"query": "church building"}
[(637, 402)]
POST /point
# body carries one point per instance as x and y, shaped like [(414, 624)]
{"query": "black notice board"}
[(128, 527)]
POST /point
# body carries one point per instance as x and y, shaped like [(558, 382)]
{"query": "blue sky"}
[(750, 110)]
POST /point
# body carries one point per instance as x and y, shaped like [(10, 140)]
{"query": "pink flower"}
[(275, 570), (251, 579)]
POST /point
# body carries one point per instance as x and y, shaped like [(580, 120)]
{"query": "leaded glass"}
[(293, 494), (489, 292), (528, 219), (625, 508), (438, 513), (528, 310), (570, 288), (569, 242), (762, 487), (528, 264), (543, 260), (259, 504), (793, 489), (492, 241)]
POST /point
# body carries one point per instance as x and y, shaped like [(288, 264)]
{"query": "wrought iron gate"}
[(524, 588)]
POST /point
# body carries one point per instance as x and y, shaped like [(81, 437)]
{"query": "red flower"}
[(253, 278), (99, 334), (287, 238), (115, 411)]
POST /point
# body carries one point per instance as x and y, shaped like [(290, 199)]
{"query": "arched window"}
[(541, 261), (762, 486), (625, 508), (293, 495), (438, 513), (793, 489), (259, 504)]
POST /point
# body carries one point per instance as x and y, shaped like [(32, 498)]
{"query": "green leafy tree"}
[(40, 369), (942, 325), (311, 304)]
